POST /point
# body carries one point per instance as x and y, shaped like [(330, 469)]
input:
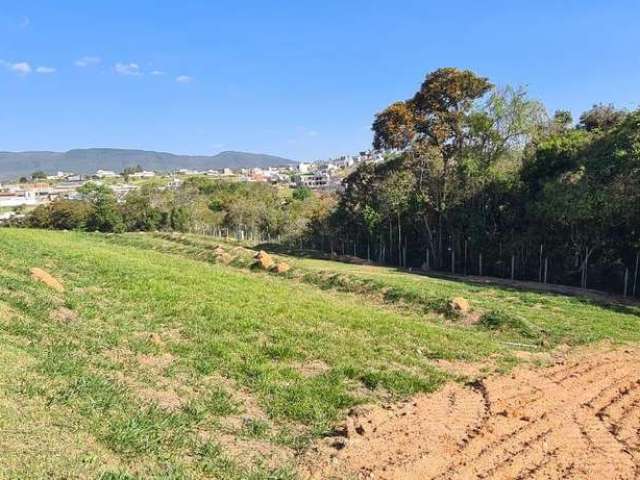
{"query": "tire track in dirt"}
[(579, 419)]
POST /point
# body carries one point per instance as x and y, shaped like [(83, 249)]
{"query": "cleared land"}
[(578, 419), (158, 362)]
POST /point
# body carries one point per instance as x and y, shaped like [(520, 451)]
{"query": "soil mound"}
[(46, 278), (459, 306), (263, 260), (282, 267)]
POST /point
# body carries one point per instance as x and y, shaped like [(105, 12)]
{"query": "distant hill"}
[(88, 160)]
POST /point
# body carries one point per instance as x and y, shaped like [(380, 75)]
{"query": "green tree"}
[(301, 193), (434, 126), (601, 117), (105, 215), (395, 191), (69, 214), (39, 217), (139, 212)]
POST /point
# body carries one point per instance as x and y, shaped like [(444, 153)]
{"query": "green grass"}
[(172, 355), (540, 318)]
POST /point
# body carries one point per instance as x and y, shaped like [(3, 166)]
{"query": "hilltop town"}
[(40, 188)]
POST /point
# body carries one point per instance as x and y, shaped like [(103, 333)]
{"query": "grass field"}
[(156, 362)]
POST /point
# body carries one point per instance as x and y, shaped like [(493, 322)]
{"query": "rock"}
[(46, 278), (282, 267), (263, 260), (459, 306)]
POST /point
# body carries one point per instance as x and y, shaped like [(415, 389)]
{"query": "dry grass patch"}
[(311, 368), (156, 362), (63, 315)]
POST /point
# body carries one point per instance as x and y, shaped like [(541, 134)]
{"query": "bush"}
[(504, 322), (69, 214)]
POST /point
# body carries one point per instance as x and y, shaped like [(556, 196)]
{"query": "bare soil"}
[(46, 278), (579, 419)]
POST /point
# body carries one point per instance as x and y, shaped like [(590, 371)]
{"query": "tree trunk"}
[(465, 255), (546, 269), (513, 267), (453, 260), (399, 241), (635, 276), (540, 267), (430, 241), (626, 282), (585, 266)]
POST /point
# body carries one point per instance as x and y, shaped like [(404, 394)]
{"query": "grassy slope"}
[(254, 330), (543, 317), (81, 397)]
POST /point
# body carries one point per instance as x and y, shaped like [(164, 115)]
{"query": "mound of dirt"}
[(579, 419), (224, 258), (459, 306), (282, 267), (264, 261), (46, 278)]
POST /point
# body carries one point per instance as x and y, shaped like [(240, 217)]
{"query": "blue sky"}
[(293, 78)]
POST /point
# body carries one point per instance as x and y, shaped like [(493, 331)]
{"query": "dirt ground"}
[(579, 419)]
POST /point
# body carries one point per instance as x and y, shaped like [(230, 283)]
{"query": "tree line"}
[(487, 183), (200, 204)]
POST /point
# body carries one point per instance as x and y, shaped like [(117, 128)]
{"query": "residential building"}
[(105, 174), (317, 180), (143, 174)]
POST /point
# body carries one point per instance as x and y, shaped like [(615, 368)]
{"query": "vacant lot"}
[(156, 362)]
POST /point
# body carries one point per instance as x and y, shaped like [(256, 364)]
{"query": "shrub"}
[(502, 321)]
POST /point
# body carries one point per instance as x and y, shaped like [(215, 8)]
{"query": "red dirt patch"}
[(464, 369), (46, 278), (577, 419)]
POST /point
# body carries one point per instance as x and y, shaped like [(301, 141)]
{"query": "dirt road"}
[(579, 419)]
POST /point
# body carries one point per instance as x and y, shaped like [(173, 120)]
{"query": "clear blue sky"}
[(301, 79)]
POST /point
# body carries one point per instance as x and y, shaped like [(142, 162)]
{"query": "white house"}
[(143, 174), (304, 168), (105, 174), (27, 198)]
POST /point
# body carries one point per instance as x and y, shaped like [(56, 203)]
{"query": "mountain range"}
[(88, 160)]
